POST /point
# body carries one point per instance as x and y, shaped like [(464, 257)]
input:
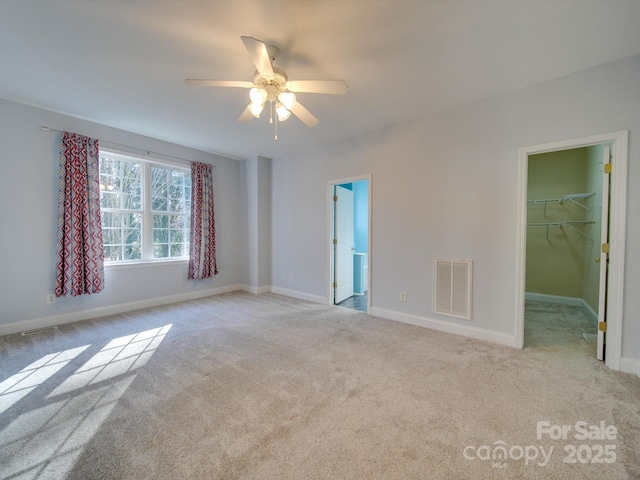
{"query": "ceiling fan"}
[(272, 84)]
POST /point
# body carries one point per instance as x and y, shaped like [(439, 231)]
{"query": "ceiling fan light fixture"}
[(256, 110), (288, 99), (258, 96), (282, 112), (272, 84)]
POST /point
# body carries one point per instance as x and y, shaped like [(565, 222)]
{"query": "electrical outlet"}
[(290, 277), (51, 298), (403, 296)]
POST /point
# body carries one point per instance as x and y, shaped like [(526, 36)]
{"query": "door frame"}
[(331, 232), (617, 228), (343, 251), (603, 256)]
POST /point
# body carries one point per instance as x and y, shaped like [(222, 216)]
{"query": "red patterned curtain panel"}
[(202, 249), (80, 267)]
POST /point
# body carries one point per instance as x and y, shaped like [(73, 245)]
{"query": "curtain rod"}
[(148, 152)]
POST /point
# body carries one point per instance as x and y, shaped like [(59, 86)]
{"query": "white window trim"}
[(147, 216), (144, 263)]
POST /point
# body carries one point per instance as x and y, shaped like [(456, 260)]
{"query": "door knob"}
[(598, 260)]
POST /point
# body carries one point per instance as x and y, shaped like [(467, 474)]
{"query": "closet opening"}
[(571, 246), (567, 211)]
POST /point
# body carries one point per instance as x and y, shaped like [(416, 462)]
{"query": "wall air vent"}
[(452, 295)]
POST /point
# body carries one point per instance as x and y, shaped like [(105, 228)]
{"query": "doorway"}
[(567, 207), (574, 234), (349, 243)]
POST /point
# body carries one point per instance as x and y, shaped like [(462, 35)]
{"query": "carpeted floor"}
[(240, 386)]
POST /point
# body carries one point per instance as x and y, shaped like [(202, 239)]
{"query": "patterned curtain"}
[(80, 267), (202, 248)]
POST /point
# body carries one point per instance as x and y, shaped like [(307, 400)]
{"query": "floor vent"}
[(452, 296), (39, 330)]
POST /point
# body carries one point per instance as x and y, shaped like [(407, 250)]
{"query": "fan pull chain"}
[(276, 136)]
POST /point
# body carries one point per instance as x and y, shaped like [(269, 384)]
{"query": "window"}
[(146, 208), (170, 208)]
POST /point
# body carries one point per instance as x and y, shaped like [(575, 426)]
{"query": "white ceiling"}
[(122, 64)]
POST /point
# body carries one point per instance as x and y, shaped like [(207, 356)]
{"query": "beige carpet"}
[(268, 387)]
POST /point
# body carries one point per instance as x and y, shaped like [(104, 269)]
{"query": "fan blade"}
[(246, 116), (304, 115), (259, 55), (335, 87), (192, 82)]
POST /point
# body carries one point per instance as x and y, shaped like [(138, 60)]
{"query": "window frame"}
[(146, 162)]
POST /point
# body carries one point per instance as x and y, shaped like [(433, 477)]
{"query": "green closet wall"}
[(561, 261)]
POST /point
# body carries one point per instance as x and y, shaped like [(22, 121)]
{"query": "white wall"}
[(29, 166), (446, 186), (264, 222), (256, 232)]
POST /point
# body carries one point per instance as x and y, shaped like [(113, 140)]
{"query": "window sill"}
[(145, 264)]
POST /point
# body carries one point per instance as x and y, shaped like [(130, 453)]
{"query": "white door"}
[(344, 244), (604, 256)]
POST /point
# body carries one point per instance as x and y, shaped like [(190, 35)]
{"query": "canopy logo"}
[(499, 453), (597, 451)]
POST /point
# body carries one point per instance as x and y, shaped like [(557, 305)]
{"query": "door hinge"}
[(607, 168), (602, 326), (335, 284), (335, 241), (335, 198), (605, 248)]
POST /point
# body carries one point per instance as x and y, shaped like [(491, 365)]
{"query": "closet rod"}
[(574, 197), (569, 224), (129, 147)]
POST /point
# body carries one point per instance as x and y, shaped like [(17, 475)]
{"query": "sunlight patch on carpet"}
[(46, 442), (26, 380)]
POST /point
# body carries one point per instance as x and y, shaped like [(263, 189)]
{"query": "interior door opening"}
[(349, 241), (567, 221), (587, 224)]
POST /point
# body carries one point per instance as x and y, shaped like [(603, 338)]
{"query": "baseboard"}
[(255, 290), (61, 319), (299, 295), (574, 301), (448, 327), (630, 365), (592, 312), (443, 326), (541, 297)]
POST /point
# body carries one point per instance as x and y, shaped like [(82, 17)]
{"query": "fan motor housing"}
[(279, 81)]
